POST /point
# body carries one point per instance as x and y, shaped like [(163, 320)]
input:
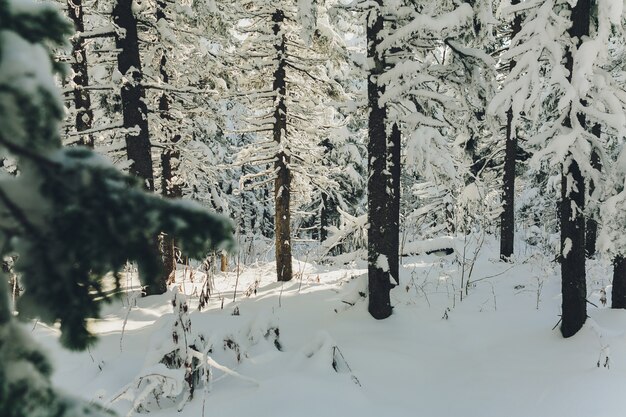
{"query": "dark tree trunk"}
[(324, 217), (80, 79), (134, 110), (328, 204), (592, 224), (393, 248), (507, 218), (378, 179), (573, 278), (170, 187), (282, 183), (450, 217), (249, 212), (6, 309), (618, 295), (267, 227)]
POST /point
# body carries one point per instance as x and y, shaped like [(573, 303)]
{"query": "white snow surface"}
[(492, 354)]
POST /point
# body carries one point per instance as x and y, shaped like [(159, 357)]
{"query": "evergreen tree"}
[(424, 84), (573, 273), (612, 239), (559, 86), (134, 108), (69, 215), (287, 76), (378, 184), (507, 218), (166, 81)]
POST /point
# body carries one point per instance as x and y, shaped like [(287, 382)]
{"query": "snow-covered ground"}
[(310, 348)]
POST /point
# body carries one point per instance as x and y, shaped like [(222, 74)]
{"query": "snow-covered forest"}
[(312, 207)]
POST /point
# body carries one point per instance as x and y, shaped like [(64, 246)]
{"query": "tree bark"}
[(80, 74), (170, 187), (324, 217), (328, 205), (6, 313), (507, 218), (592, 224), (282, 183), (223, 262), (573, 277), (393, 249), (378, 178), (618, 294), (134, 110)]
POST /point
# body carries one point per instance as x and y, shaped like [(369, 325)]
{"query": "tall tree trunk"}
[(134, 110), (328, 205), (170, 187), (573, 278), (507, 218), (282, 183), (6, 309), (267, 226), (324, 217), (393, 248), (618, 294), (249, 212), (592, 224), (80, 75), (378, 179)]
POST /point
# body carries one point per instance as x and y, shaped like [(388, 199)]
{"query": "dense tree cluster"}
[(348, 127)]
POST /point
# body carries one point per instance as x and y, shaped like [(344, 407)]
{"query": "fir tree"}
[(379, 279), (560, 88), (286, 77), (507, 218), (69, 215)]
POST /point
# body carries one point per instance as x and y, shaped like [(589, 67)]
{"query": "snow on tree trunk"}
[(507, 218), (378, 179), (80, 74), (573, 278), (573, 283), (282, 182)]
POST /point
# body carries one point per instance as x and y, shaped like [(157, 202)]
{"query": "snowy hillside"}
[(310, 348)]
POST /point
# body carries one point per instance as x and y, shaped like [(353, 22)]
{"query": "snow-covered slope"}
[(309, 347)]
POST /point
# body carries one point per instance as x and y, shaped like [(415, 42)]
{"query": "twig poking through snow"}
[(132, 299), (210, 361), (338, 360)]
